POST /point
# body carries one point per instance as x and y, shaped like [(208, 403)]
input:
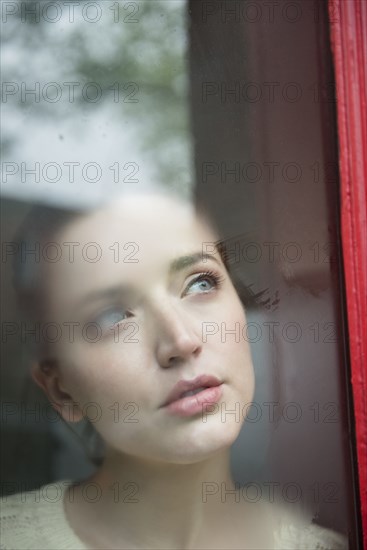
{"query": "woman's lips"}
[(194, 404), (183, 386)]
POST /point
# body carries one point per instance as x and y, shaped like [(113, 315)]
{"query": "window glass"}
[(228, 106)]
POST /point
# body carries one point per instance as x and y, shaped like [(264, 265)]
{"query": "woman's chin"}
[(202, 440)]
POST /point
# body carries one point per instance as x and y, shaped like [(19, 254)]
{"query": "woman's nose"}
[(177, 336)]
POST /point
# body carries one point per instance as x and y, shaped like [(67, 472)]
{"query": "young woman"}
[(145, 281)]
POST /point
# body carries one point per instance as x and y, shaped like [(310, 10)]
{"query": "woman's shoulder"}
[(36, 520), (294, 532), (310, 537), (273, 525)]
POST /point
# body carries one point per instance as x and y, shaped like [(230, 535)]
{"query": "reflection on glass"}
[(169, 412), (104, 102)]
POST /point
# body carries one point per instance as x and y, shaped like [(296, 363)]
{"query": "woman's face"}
[(136, 292)]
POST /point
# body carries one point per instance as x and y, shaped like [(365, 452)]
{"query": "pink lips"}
[(193, 404)]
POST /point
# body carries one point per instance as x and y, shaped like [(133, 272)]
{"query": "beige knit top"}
[(36, 520)]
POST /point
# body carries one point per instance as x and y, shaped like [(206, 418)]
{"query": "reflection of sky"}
[(63, 132)]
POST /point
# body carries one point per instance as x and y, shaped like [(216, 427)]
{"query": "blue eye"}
[(206, 282), (110, 318)]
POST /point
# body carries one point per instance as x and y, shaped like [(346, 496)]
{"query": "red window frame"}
[(348, 26)]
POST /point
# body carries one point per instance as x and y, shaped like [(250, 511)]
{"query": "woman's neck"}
[(152, 504)]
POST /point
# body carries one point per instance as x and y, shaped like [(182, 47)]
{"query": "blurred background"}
[(230, 103)]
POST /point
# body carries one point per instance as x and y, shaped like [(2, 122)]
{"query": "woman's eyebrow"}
[(186, 261), (105, 294)]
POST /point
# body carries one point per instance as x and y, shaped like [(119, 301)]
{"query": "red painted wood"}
[(348, 23)]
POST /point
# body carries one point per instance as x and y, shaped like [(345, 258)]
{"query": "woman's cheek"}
[(93, 372)]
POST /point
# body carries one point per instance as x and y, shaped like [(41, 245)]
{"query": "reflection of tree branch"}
[(140, 53)]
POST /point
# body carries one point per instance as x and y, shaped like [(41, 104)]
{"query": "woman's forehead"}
[(125, 243)]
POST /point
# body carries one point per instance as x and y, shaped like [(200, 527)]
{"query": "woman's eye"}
[(204, 283), (110, 318)]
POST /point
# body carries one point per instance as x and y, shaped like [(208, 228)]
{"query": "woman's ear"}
[(46, 375)]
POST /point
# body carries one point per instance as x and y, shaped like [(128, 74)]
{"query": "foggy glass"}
[(233, 105)]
